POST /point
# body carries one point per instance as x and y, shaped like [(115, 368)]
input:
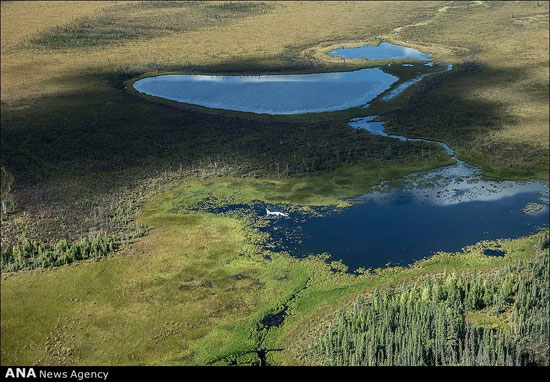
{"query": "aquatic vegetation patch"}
[(532, 207)]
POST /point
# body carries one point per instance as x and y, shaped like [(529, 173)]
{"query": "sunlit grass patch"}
[(331, 188), (190, 292)]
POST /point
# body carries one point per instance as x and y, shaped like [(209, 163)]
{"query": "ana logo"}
[(20, 372)]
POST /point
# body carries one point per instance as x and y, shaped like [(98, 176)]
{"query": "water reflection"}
[(452, 184)]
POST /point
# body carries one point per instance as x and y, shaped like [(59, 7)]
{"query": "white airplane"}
[(275, 213)]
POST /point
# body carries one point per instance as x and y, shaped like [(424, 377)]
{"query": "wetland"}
[(139, 222), (442, 210)]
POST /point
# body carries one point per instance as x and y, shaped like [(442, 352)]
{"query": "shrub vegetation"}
[(479, 319)]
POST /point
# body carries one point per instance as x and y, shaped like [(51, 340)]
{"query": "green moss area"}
[(199, 289), (330, 189)]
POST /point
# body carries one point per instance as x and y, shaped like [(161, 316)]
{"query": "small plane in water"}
[(275, 213)]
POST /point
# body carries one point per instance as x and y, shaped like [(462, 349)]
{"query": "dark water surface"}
[(403, 225), (403, 230), (272, 94)]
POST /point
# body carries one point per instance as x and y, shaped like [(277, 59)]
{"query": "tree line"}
[(37, 254), (496, 318)]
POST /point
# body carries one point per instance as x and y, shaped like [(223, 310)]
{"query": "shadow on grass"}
[(446, 109), (112, 130)]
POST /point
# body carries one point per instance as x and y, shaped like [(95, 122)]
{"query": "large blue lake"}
[(272, 94), (441, 210)]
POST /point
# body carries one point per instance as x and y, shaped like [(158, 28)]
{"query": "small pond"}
[(383, 51)]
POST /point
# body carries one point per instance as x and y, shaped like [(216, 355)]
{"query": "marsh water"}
[(441, 210)]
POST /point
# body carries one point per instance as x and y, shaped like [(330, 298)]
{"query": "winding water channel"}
[(441, 210)]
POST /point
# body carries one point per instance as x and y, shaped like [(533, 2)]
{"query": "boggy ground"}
[(76, 146), (198, 289), (80, 154)]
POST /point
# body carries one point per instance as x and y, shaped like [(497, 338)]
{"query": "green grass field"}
[(81, 154)]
